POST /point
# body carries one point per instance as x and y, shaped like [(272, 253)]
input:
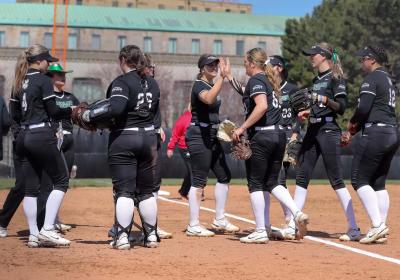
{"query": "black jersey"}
[(379, 84), (202, 112), (65, 100), (36, 89), (326, 85), (137, 91), (287, 89), (259, 84)]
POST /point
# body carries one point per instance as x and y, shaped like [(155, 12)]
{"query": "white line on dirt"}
[(315, 239)]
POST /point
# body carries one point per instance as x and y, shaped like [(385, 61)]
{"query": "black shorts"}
[(39, 147), (320, 139), (132, 157), (206, 153), (374, 153), (263, 167)]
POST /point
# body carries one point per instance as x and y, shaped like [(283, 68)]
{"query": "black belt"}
[(379, 124), (202, 124)]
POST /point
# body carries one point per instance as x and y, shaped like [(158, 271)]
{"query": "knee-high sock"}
[(148, 210), (369, 199), (300, 196), (283, 195), (384, 203), (124, 211), (258, 204), (52, 206), (194, 197), (221, 195), (267, 200), (347, 205), (30, 210)]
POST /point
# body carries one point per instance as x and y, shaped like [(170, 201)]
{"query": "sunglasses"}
[(364, 58)]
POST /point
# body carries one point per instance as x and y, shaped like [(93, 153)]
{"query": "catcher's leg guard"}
[(150, 233)]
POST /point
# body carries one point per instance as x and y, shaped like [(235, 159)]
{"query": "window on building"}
[(262, 45), (227, 10), (48, 40), (72, 41), (2, 38), (240, 47), (208, 10), (129, 5), (78, 2), (114, 3), (24, 39), (96, 42), (172, 45), (147, 44), (243, 12), (217, 47), (2, 82), (161, 7), (87, 89), (181, 7), (195, 46), (121, 42), (194, 8)]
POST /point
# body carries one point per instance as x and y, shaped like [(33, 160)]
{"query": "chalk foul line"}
[(312, 238)]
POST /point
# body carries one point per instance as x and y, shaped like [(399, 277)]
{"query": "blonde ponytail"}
[(259, 57), (334, 60)]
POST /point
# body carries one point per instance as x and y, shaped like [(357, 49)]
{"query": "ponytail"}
[(269, 71), (21, 68), (334, 60)]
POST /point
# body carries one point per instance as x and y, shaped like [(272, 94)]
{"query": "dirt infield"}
[(90, 210)]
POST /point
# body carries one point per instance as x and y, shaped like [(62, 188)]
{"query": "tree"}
[(348, 25)]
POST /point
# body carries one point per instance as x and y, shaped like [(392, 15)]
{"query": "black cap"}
[(316, 49), (277, 60), (372, 53), (43, 56), (206, 59)]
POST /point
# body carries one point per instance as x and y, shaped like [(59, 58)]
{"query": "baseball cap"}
[(316, 49), (370, 52), (56, 67), (206, 59), (277, 60), (42, 56)]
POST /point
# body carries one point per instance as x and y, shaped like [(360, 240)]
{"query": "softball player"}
[(64, 127), (205, 150), (32, 106), (267, 140), (132, 148), (323, 133), (375, 116)]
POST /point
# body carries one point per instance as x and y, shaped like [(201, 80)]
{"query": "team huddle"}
[(276, 111)]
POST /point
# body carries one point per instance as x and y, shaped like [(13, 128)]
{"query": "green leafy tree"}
[(348, 25)]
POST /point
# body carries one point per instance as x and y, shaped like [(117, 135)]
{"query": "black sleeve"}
[(119, 97), (256, 87), (199, 87), (54, 111), (75, 101), (15, 109), (366, 100), (47, 89), (15, 129), (237, 86), (5, 118), (339, 102)]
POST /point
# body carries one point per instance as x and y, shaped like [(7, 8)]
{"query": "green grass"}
[(6, 183)]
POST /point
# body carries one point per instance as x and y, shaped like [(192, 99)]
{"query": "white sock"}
[(258, 204), (384, 203), (30, 210), (148, 210), (155, 194), (347, 205), (300, 196), (282, 194), (52, 206), (124, 211), (221, 195), (369, 199), (267, 200), (194, 198)]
